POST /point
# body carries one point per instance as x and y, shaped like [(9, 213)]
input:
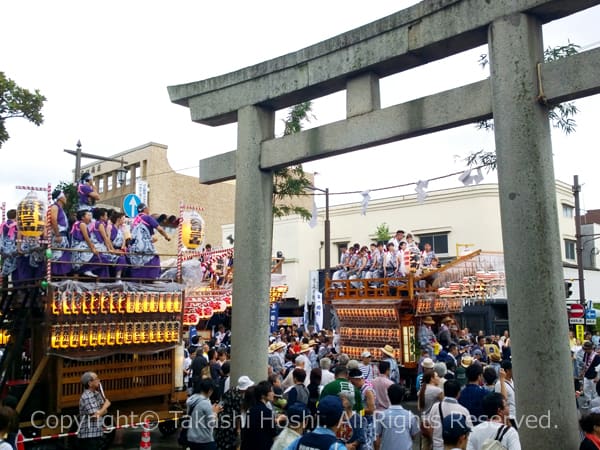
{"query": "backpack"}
[(302, 394), (495, 444)]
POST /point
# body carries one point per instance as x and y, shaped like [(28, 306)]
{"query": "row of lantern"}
[(102, 334), (204, 303), (369, 334), (93, 303), (439, 305), (215, 303), (276, 293), (481, 282), (368, 314)]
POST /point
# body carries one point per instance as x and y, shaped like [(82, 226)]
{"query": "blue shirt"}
[(396, 427), (320, 430), (471, 397)]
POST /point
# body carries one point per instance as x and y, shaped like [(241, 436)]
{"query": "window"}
[(570, 249), (101, 185), (438, 241), (109, 182), (568, 211)]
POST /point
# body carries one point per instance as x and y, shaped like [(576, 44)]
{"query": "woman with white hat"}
[(227, 432)]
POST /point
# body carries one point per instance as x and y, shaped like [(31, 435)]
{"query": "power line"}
[(414, 183), (397, 186)]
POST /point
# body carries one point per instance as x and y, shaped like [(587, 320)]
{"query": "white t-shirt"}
[(449, 406), (187, 363), (326, 377), (488, 430), (510, 397)]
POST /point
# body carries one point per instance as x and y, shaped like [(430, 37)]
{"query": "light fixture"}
[(121, 174)]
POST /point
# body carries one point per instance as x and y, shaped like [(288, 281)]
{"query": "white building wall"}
[(470, 215)]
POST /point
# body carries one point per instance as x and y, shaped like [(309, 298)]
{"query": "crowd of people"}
[(470, 376), (310, 381), (316, 397), (94, 245), (397, 258), (586, 373)]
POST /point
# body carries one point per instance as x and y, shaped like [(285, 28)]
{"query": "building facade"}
[(454, 220)]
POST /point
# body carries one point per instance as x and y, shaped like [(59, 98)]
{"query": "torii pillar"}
[(530, 230), (253, 240)]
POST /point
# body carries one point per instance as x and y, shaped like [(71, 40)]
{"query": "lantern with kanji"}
[(31, 216), (192, 229)]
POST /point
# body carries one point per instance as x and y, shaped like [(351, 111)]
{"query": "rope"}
[(31, 188), (179, 241), (414, 183), (107, 429), (47, 234)]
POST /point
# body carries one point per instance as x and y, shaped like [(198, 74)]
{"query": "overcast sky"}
[(105, 67)]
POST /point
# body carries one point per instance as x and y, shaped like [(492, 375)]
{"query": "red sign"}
[(576, 310)]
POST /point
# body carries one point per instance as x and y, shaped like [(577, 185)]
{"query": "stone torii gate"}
[(516, 94)]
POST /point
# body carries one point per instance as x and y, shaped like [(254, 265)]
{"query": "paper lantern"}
[(192, 229), (31, 216)]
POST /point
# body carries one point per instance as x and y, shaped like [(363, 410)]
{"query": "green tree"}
[(291, 182), (70, 191), (16, 101), (383, 232), (560, 115)]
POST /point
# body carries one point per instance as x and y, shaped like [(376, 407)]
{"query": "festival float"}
[(377, 312), (130, 333)]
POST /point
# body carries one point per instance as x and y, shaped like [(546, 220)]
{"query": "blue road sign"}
[(274, 316), (590, 314), (130, 204)]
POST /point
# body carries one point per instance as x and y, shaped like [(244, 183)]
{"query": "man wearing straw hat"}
[(92, 406), (276, 358), (444, 336), (426, 335), (389, 356)]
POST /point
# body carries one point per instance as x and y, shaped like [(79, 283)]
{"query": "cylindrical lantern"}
[(31, 217), (192, 229)]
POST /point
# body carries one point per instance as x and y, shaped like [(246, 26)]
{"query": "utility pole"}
[(77, 173), (327, 235), (121, 172), (578, 243)]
